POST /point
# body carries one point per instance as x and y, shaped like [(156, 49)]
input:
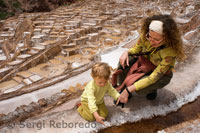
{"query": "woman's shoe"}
[(151, 96)]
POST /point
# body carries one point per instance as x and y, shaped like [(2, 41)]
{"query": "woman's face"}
[(155, 38)]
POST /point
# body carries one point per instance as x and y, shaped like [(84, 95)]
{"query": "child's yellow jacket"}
[(94, 94)]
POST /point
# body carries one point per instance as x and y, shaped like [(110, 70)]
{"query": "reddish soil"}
[(188, 112)]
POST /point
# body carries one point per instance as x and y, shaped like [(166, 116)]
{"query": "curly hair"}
[(101, 70), (171, 33)]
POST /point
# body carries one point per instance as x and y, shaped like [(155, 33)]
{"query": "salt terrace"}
[(47, 45)]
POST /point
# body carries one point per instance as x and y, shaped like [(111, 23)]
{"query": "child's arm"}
[(113, 92), (98, 118)]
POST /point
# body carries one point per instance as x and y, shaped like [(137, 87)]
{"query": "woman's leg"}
[(121, 77), (158, 85)]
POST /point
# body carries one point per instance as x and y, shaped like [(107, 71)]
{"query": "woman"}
[(148, 65)]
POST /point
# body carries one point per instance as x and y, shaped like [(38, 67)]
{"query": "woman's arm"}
[(124, 60), (123, 98), (158, 72)]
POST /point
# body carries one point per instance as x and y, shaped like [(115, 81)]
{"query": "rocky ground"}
[(45, 59), (15, 7)]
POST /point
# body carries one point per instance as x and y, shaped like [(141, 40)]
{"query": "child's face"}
[(101, 82)]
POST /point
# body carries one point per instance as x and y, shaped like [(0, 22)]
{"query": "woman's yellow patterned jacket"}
[(163, 58)]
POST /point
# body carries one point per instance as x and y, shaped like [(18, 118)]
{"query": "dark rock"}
[(34, 106), (9, 117), (20, 111), (31, 6), (197, 6), (42, 102), (1, 118)]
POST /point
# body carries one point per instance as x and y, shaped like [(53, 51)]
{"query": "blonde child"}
[(92, 105)]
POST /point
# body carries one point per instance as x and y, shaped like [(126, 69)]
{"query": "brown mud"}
[(188, 112)]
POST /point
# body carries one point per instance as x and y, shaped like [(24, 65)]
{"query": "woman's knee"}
[(165, 80)]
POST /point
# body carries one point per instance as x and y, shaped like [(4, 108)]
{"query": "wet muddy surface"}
[(188, 112)]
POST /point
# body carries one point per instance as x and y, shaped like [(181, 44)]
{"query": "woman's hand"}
[(99, 118), (123, 98), (124, 59)]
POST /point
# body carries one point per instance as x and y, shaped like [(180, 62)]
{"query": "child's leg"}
[(102, 110), (84, 111)]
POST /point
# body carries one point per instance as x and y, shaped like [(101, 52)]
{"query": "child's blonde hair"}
[(101, 70)]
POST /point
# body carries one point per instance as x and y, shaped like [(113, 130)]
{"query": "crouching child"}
[(92, 107)]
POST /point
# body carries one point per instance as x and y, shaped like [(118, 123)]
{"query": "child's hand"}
[(99, 118)]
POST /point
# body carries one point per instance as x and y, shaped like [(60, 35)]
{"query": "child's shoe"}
[(77, 105)]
